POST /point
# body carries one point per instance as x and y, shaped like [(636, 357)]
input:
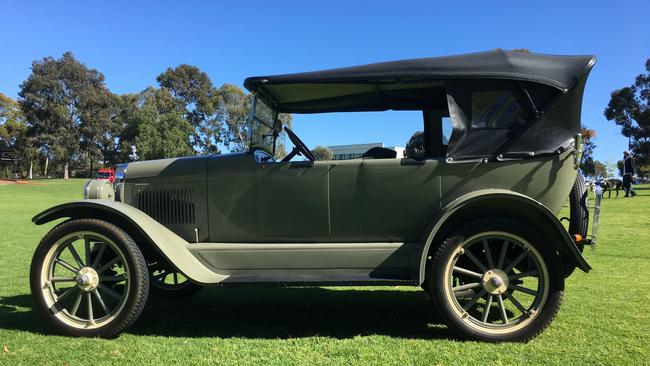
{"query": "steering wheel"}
[(300, 147)]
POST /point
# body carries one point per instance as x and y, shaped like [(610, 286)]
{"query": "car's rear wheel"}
[(166, 282), (493, 280), (89, 278)]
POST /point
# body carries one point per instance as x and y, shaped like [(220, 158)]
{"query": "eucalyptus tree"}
[(193, 89), (66, 104), (629, 108)]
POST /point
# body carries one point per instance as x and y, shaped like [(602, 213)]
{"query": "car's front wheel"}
[(89, 278), (496, 280)]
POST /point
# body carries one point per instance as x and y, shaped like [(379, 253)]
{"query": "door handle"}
[(301, 164), (409, 161)]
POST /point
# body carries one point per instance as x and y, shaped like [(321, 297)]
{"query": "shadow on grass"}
[(269, 313)]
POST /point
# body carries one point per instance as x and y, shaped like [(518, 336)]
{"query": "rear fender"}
[(140, 226), (502, 203)]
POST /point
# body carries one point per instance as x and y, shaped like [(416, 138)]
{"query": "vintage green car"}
[(472, 219)]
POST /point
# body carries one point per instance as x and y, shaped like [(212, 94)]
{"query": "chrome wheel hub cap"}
[(495, 281), (87, 279)]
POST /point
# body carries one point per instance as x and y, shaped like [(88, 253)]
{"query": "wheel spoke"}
[(502, 309), (488, 254), (466, 287), (523, 289), (118, 278), (533, 273), (101, 301), (65, 294), (175, 278), (75, 255), (66, 265), (63, 279), (160, 275), (76, 304), (474, 300), (110, 292), (98, 258), (91, 314), (108, 265), (475, 260), (516, 302), (516, 261), (486, 312), (87, 249), (467, 272), (502, 254)]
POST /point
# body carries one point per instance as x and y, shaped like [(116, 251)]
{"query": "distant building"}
[(343, 152)]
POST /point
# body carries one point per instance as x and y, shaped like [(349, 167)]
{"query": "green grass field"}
[(604, 318)]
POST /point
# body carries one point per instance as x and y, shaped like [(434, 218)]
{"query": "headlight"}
[(98, 189)]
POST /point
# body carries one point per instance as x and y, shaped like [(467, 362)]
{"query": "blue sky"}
[(132, 42)]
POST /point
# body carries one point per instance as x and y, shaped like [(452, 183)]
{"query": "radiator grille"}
[(168, 206)]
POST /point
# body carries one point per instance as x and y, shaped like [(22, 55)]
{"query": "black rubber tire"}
[(138, 277), (186, 289), (446, 250), (579, 208)]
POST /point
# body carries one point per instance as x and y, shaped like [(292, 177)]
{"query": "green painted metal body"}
[(234, 218), (355, 221)]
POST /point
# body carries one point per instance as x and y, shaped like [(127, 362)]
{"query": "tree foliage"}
[(12, 122), (600, 170), (67, 117), (322, 153), (193, 90), (415, 146), (629, 108), (587, 164), (234, 108), (67, 105), (156, 129)]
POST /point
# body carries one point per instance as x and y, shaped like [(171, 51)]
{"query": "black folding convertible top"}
[(561, 72), (547, 88)]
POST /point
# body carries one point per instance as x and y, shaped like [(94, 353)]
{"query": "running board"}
[(312, 278)]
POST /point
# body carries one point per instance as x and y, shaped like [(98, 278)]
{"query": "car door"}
[(346, 195), (401, 198), (293, 201)]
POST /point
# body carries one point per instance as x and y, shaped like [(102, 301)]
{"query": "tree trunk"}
[(47, 161), (31, 169), (65, 171)]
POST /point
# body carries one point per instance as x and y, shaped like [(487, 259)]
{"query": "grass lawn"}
[(604, 318)]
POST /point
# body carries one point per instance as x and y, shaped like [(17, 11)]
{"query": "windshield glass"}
[(103, 175), (262, 134)]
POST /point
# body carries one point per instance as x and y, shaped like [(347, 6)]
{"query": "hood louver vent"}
[(168, 206)]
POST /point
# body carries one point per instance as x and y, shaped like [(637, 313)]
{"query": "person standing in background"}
[(629, 171)]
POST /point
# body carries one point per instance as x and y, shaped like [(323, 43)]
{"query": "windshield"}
[(103, 175), (262, 122)]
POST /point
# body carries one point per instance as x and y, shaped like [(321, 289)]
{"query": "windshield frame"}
[(254, 121)]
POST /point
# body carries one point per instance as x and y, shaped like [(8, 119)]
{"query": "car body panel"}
[(464, 207), (172, 246), (293, 202), (232, 198), (547, 179)]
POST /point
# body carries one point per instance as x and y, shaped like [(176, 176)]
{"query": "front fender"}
[(501, 202), (170, 245)]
